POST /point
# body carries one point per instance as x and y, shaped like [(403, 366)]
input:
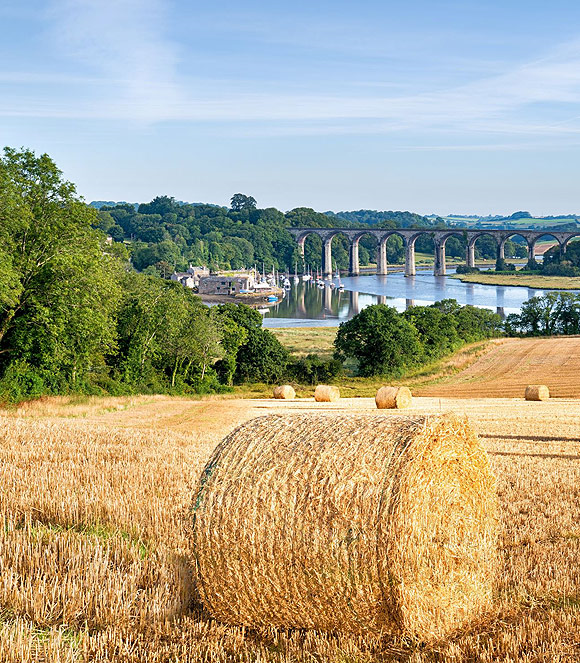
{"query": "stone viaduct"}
[(409, 237)]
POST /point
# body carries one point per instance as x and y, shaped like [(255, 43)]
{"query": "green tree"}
[(262, 358), (437, 330), (382, 341), (59, 290), (241, 202)]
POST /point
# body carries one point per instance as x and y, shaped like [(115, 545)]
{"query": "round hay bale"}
[(537, 392), (393, 397), (348, 522), (284, 391), (326, 394)]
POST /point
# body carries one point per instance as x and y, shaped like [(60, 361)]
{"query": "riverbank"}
[(536, 281), (253, 299)]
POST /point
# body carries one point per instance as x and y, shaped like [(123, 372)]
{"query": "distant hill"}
[(110, 203), (99, 204), (374, 217)]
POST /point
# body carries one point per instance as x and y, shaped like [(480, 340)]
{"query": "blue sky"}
[(429, 106)]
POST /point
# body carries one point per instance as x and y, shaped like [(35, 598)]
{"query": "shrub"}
[(465, 269), (313, 370), (21, 382)]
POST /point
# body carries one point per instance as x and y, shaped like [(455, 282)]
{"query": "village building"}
[(191, 278), (226, 285)]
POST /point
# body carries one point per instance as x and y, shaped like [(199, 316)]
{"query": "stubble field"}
[(95, 554)]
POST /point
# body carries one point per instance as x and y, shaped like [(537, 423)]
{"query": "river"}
[(307, 305)]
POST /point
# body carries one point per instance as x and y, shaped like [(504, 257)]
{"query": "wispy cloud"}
[(123, 42)]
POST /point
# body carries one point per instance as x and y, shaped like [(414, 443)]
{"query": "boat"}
[(286, 284), (306, 276), (272, 298), (263, 310), (296, 279)]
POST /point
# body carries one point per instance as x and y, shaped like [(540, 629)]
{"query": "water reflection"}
[(306, 304)]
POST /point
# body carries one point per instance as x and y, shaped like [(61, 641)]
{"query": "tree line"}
[(77, 317), (165, 235)]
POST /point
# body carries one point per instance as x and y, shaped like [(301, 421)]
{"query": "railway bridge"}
[(410, 236)]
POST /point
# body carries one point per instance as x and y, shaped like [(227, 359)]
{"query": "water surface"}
[(307, 305)]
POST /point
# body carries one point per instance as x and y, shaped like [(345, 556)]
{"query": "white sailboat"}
[(296, 279)]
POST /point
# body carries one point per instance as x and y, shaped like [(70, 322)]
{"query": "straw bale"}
[(537, 392), (326, 394), (393, 397), (366, 524), (284, 391)]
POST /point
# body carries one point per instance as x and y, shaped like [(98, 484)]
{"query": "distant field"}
[(511, 364), (518, 223), (302, 341), (524, 280)]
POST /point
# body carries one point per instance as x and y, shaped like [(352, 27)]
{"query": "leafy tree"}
[(241, 202), (381, 340), (59, 287), (262, 358), (437, 330), (554, 313), (475, 324)]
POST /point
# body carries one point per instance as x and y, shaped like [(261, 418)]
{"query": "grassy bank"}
[(523, 280)]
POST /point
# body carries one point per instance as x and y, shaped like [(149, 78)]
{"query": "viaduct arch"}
[(410, 236)]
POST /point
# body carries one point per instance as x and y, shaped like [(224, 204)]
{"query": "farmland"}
[(96, 495), (524, 280)]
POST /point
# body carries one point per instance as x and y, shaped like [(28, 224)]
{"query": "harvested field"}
[(509, 365), (95, 552)]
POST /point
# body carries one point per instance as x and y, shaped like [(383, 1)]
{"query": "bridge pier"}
[(382, 257), (327, 259), (410, 269), (440, 267), (470, 255), (501, 251), (532, 251), (353, 266)]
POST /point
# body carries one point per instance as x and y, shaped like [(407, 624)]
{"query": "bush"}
[(560, 269), (21, 382), (313, 370), (464, 269)]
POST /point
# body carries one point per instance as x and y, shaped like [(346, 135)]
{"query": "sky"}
[(470, 106)]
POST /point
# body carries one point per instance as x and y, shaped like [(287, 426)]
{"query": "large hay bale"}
[(348, 522), (284, 391), (393, 397), (537, 392), (326, 394)]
